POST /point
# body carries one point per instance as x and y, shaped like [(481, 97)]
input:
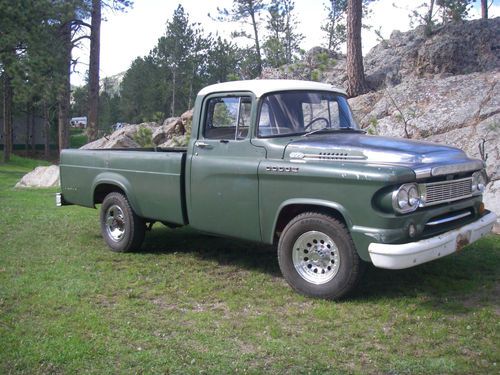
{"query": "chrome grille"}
[(446, 191)]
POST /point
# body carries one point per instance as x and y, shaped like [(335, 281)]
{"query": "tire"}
[(317, 256), (121, 228)]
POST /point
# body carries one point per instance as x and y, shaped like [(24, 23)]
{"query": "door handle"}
[(204, 145)]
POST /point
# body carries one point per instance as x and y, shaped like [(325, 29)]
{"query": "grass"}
[(77, 138), (190, 304)]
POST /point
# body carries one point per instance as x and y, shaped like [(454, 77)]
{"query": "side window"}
[(227, 118)]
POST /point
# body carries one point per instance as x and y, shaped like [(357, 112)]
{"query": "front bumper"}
[(414, 253)]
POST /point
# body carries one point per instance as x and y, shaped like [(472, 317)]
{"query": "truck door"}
[(224, 184)]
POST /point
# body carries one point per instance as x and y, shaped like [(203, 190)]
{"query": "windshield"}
[(302, 112)]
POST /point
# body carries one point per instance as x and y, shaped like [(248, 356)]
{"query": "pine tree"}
[(172, 54), (335, 27), (246, 11), (223, 61), (434, 12), (283, 42)]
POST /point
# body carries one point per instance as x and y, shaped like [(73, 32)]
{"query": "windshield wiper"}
[(328, 129)]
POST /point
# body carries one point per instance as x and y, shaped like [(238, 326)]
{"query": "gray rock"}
[(121, 138), (40, 177), (174, 132), (461, 48), (169, 120), (492, 201), (168, 130)]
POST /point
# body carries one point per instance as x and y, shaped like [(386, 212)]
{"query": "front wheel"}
[(317, 256), (121, 228)]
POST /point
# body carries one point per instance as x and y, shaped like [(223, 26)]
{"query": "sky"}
[(125, 36)]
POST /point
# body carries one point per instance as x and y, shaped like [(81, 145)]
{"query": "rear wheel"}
[(121, 228), (317, 256)]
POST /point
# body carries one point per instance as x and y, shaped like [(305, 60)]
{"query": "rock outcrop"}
[(453, 49)]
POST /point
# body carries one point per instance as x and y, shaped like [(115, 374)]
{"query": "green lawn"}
[(191, 304)]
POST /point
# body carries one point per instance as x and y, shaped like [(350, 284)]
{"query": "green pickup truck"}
[(283, 162)]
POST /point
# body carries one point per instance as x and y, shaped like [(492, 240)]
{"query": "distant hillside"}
[(111, 85)]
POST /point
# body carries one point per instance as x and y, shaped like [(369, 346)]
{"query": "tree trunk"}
[(484, 9), (32, 130), (7, 117), (65, 88), (257, 44), (27, 130), (172, 106), (93, 113), (46, 130), (191, 88), (356, 84), (428, 18)]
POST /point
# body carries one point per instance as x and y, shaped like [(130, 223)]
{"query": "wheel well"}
[(102, 190), (290, 211)]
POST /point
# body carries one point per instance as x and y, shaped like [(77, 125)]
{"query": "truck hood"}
[(425, 158)]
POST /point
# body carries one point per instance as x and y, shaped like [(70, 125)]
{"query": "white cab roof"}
[(263, 86)]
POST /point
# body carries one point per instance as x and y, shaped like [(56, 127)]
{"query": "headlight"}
[(413, 196), (478, 182), (406, 198)]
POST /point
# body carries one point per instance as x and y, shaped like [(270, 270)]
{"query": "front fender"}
[(319, 203)]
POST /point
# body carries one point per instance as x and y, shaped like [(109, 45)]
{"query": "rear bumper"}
[(414, 253), (60, 201)]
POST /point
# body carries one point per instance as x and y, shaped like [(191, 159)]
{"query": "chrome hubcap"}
[(115, 223), (316, 257)]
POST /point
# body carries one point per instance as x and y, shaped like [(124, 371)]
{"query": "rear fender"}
[(110, 178)]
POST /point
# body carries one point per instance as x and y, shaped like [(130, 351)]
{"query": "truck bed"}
[(153, 179)]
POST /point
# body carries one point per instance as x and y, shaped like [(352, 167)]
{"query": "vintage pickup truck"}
[(284, 162)]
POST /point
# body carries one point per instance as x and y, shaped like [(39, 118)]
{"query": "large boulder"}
[(174, 132), (171, 127), (121, 138), (455, 48), (40, 177)]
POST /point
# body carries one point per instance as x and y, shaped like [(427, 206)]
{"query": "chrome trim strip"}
[(457, 168), (447, 182), (339, 157), (421, 173), (449, 218)]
